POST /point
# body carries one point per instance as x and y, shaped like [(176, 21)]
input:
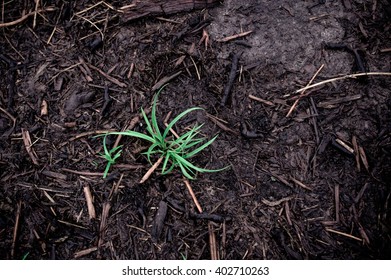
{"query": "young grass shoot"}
[(173, 151)]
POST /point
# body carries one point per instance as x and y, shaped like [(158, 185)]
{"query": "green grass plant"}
[(176, 151)]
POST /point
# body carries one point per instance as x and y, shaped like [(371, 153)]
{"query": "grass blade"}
[(136, 134), (199, 149), (177, 118)]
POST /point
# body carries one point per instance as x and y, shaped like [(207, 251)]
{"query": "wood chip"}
[(346, 146), (158, 221), (54, 175), (44, 108), (28, 145)]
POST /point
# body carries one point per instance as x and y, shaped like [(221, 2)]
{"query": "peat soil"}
[(309, 173)]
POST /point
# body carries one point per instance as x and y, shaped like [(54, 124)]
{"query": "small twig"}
[(344, 234), (84, 252), (15, 22), (214, 253), (314, 113), (196, 68), (115, 188), (167, 20), (151, 170), (336, 198), (84, 134), (108, 77), (343, 78), (35, 13), (275, 203), (356, 152), (130, 126), (361, 193), (229, 38), (13, 119), (84, 173), (231, 78), (190, 189), (107, 101), (130, 72), (103, 223), (93, 24), (310, 82), (287, 212), (16, 227), (165, 122), (300, 184), (363, 158), (261, 100), (90, 204)]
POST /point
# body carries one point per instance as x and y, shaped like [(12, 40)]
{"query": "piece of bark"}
[(144, 8), (158, 222)]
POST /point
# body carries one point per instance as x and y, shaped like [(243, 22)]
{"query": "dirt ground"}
[(309, 172)]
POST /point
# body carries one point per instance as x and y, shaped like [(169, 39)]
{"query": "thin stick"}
[(131, 69), (336, 198), (167, 20), (35, 13), (84, 134), (103, 223), (130, 126), (192, 195), (84, 252), (343, 78), (363, 158), (229, 38), (356, 152), (261, 100), (196, 68), (151, 170), (310, 82), (84, 173), (343, 234), (214, 254), (287, 212), (97, 4), (15, 22), (108, 77), (231, 78), (13, 119), (165, 122), (28, 145), (18, 211), (90, 204)]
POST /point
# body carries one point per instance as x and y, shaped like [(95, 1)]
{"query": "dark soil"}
[(292, 191)]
